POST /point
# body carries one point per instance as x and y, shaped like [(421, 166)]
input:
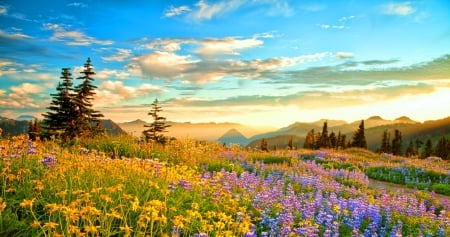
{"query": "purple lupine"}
[(49, 161)]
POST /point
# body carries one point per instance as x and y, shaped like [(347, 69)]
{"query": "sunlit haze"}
[(271, 62)]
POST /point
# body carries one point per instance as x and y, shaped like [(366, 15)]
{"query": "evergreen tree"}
[(341, 142), (264, 145), (87, 119), (333, 140), (418, 145), (385, 141), (397, 143), (359, 139), (410, 151), (60, 120), (34, 129), (428, 149), (291, 143), (324, 140), (310, 141), (441, 148), (158, 126)]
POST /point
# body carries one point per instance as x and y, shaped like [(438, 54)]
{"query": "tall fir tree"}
[(60, 119), (291, 143), (34, 129), (385, 142), (341, 142), (428, 150), (333, 140), (410, 151), (324, 140), (310, 140), (441, 149), (397, 143), (158, 126), (87, 119), (359, 139)]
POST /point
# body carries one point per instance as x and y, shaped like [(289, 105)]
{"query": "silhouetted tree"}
[(333, 140), (359, 139), (341, 142), (310, 140), (385, 142), (34, 129), (410, 151), (397, 143), (87, 118), (418, 145), (324, 141), (264, 145), (158, 126), (428, 149), (291, 143), (441, 148), (60, 119)]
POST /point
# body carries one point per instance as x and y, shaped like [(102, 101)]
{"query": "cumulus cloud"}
[(21, 96), (119, 56), (175, 11), (400, 9), (3, 10), (230, 46), (108, 74), (73, 38), (344, 55), (114, 92), (13, 36)]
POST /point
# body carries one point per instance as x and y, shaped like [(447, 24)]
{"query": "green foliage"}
[(359, 139), (157, 127)]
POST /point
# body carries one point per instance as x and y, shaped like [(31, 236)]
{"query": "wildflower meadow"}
[(117, 186)]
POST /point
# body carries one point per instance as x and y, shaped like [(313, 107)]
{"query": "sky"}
[(255, 62)]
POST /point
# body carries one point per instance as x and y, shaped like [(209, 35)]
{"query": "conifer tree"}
[(341, 141), (397, 143), (410, 149), (441, 149), (385, 142), (158, 126), (60, 120), (359, 139), (34, 129), (87, 119), (324, 140), (428, 149), (264, 145), (310, 140), (291, 143), (333, 140)]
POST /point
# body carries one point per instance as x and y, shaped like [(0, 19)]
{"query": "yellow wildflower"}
[(35, 224), (178, 221), (2, 205), (27, 203), (91, 228), (106, 198), (126, 228), (50, 225)]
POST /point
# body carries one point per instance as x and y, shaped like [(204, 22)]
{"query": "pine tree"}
[(397, 143), (333, 140), (34, 129), (359, 139), (410, 149), (310, 141), (441, 148), (324, 140), (87, 119), (158, 126), (385, 141), (428, 149), (418, 145), (341, 141), (60, 120), (264, 145), (291, 143)]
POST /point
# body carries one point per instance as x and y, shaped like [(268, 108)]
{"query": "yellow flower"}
[(2, 205), (35, 224), (178, 221), (126, 228), (91, 228), (39, 186), (50, 225), (106, 198), (27, 203)]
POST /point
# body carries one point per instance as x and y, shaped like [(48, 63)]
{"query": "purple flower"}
[(49, 161)]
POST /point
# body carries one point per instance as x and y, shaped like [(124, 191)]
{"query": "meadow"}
[(117, 186)]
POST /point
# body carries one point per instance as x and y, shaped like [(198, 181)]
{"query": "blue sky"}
[(267, 62)]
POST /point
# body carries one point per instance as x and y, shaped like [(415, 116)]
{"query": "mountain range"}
[(251, 136)]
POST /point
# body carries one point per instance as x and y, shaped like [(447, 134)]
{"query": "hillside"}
[(233, 136)]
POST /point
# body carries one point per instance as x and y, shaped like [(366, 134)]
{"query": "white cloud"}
[(73, 38), (119, 56), (21, 96), (208, 11), (77, 4), (346, 18), (114, 92), (17, 36), (343, 55), (166, 65), (3, 10), (401, 9), (168, 45), (175, 11), (230, 46), (108, 74)]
